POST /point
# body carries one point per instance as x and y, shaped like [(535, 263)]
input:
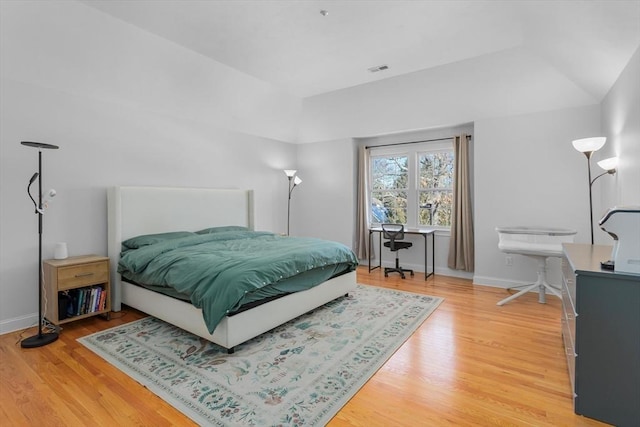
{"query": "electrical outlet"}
[(508, 260)]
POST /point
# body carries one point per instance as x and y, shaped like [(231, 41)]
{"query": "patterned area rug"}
[(300, 373)]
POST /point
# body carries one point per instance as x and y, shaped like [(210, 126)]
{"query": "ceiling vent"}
[(378, 68)]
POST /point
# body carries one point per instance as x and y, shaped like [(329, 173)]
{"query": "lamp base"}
[(39, 340)]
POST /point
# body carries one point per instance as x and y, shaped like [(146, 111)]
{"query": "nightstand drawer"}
[(82, 275)]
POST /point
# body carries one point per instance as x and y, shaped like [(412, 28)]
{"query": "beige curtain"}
[(461, 256), (362, 210)]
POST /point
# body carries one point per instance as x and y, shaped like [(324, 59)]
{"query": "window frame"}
[(413, 152), (382, 152), (420, 190)]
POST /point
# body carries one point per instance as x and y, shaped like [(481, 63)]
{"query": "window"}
[(390, 180), (412, 184), (435, 188)]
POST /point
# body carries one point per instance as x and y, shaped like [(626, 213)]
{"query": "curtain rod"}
[(412, 142)]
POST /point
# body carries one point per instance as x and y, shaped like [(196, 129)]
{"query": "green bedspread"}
[(220, 271)]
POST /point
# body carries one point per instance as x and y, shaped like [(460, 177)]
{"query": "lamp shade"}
[(297, 181), (586, 145), (290, 172), (608, 164)]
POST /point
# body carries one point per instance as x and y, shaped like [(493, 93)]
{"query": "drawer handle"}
[(84, 274)]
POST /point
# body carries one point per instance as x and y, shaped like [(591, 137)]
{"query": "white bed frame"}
[(133, 211)]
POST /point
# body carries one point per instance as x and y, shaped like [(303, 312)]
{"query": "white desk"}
[(421, 231)]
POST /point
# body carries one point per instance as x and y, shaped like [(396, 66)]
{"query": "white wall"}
[(324, 204), (528, 173), (621, 126), (126, 108)]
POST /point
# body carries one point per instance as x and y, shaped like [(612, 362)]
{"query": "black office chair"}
[(394, 233)]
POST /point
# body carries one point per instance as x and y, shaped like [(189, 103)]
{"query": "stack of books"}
[(86, 300)]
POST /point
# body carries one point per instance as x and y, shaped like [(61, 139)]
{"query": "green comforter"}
[(219, 272)]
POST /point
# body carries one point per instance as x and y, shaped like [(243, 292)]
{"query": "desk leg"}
[(433, 256), (380, 250), (425, 257), (369, 251), (379, 243)]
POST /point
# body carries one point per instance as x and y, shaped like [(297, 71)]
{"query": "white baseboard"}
[(454, 273), (502, 283), (18, 323), (497, 282)]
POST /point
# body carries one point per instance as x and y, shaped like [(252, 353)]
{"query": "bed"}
[(136, 211)]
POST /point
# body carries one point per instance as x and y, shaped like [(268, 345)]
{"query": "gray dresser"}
[(601, 332)]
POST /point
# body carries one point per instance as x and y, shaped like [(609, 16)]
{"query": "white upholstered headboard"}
[(133, 211)]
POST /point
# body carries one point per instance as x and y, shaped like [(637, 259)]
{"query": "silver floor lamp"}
[(293, 182), (588, 146), (42, 338)]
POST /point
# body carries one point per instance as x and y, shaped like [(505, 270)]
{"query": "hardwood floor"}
[(471, 363)]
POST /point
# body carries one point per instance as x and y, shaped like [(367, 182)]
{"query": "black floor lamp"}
[(43, 338)]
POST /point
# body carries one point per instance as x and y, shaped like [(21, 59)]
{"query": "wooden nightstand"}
[(77, 287)]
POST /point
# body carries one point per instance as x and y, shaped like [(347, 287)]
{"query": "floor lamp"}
[(43, 338), (293, 182), (588, 146)]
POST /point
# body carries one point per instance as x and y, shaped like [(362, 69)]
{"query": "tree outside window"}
[(435, 188), (413, 186), (390, 178)]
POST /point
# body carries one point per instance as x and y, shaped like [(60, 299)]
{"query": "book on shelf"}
[(103, 300), (86, 300), (80, 302), (92, 301)]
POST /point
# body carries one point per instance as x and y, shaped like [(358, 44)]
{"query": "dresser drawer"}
[(82, 275), (569, 280), (569, 313), (570, 353)]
